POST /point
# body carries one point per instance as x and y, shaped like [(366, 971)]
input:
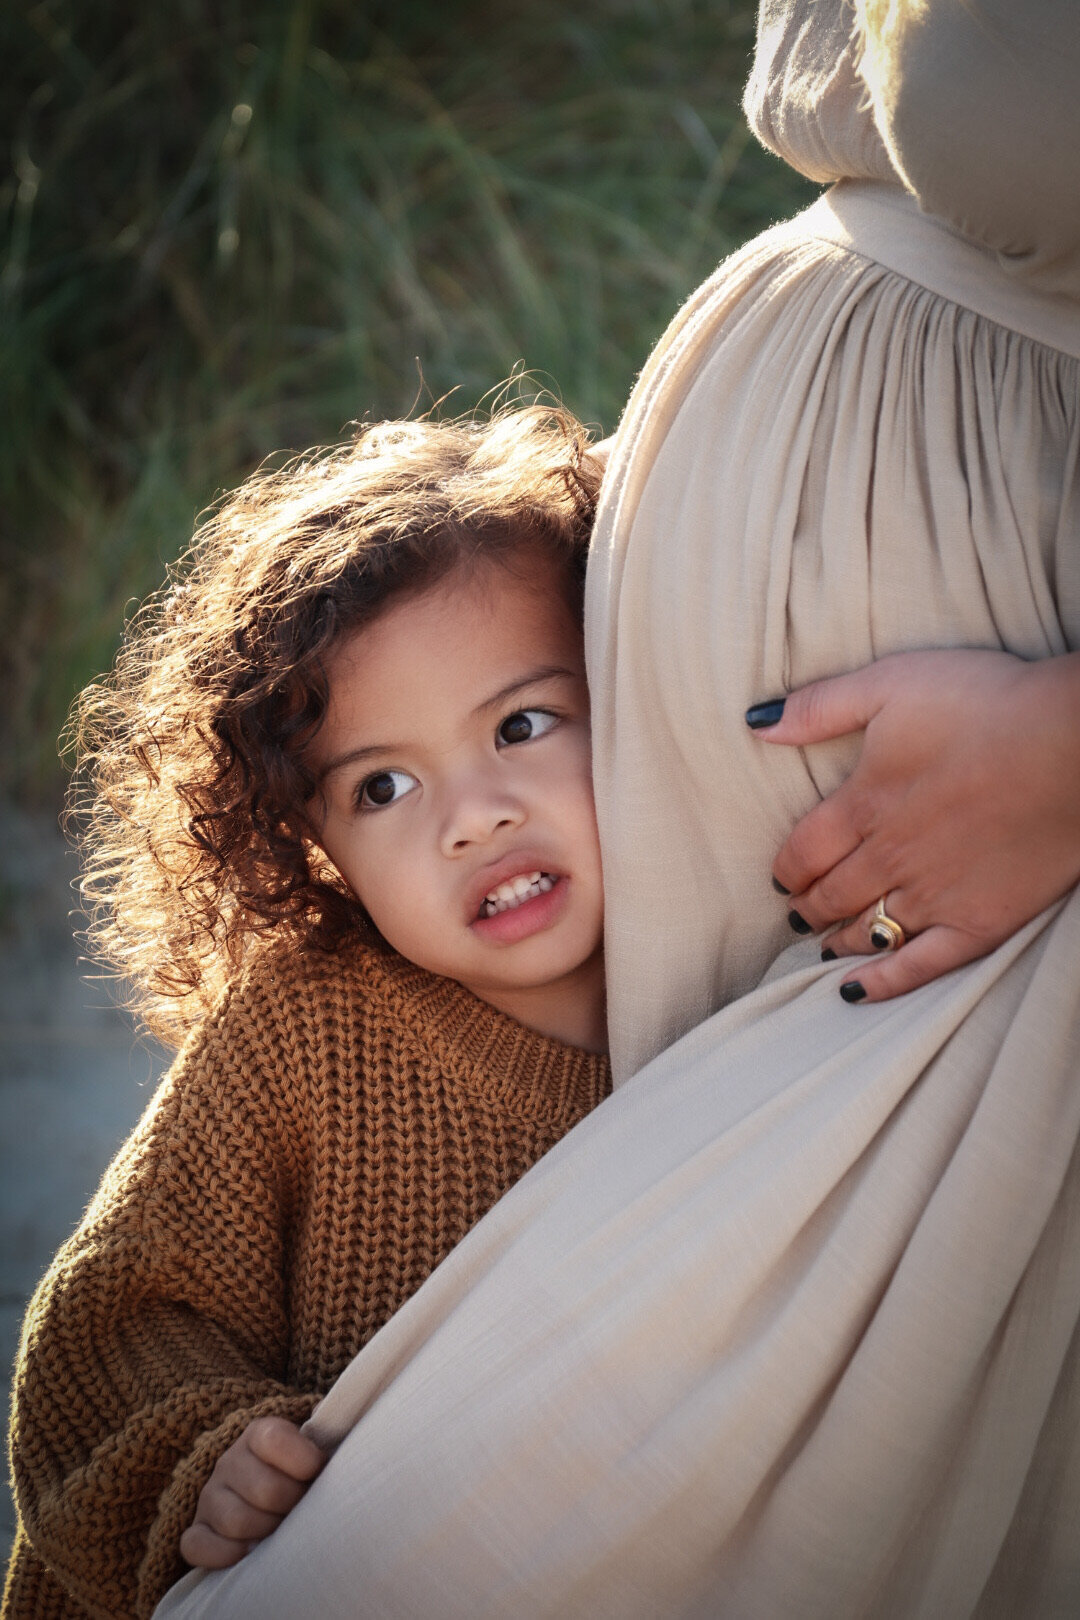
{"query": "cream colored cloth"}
[(788, 1328), (913, 422), (972, 103), (771, 1334)]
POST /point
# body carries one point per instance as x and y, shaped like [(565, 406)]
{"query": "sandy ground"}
[(73, 1080)]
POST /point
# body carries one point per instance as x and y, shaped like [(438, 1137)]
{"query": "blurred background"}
[(234, 226)]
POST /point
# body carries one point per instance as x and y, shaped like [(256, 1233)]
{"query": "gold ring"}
[(886, 933)]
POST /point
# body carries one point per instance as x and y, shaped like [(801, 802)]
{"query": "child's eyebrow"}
[(351, 757), (546, 672)]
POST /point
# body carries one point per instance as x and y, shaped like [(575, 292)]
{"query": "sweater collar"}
[(474, 1043)]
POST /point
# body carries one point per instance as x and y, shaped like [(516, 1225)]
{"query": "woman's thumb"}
[(823, 709)]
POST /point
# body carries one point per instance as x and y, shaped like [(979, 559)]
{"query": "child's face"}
[(455, 777)]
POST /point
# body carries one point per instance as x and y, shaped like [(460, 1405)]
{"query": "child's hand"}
[(255, 1483)]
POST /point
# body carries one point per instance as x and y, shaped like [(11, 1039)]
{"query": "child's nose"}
[(478, 811)]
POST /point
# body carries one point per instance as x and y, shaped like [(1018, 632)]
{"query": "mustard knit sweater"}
[(319, 1145)]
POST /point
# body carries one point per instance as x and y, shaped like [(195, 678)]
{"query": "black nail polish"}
[(853, 991), (765, 714), (779, 887), (800, 924), (827, 955)]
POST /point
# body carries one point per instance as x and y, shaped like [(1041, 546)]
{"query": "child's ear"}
[(324, 871), (322, 868)]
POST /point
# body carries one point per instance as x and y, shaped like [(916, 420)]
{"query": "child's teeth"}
[(507, 896)]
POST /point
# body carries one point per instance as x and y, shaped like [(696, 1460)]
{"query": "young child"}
[(341, 843)]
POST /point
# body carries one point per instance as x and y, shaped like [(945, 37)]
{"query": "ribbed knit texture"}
[(319, 1145)]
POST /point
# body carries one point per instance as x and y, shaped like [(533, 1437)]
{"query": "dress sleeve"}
[(977, 103), (159, 1332), (804, 99)]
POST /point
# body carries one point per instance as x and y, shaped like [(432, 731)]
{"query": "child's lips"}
[(540, 911), (511, 870), (516, 892)]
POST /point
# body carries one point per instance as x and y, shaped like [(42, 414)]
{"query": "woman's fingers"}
[(965, 802), (856, 882), (853, 939), (833, 830), (823, 709), (882, 974), (894, 973), (826, 836)]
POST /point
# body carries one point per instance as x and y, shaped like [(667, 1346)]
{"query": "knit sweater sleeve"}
[(160, 1330)]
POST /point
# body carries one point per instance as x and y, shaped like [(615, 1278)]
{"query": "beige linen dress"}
[(789, 1326)]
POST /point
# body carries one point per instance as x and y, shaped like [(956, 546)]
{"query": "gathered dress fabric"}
[(789, 1328)]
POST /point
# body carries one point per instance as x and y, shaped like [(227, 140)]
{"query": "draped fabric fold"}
[(914, 422), (790, 1327)]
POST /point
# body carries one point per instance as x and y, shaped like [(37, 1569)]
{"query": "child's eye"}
[(384, 788), (523, 725)]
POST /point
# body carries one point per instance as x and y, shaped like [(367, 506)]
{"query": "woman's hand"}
[(254, 1485), (963, 811)]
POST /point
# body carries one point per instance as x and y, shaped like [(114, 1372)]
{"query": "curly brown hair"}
[(190, 785)]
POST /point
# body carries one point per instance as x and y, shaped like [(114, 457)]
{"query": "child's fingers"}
[(231, 1514), (255, 1483), (203, 1547), (280, 1444), (265, 1487)]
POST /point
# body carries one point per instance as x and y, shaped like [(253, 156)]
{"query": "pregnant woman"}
[(789, 1326)]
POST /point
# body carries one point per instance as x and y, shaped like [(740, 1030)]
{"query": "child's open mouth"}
[(508, 896), (520, 906)]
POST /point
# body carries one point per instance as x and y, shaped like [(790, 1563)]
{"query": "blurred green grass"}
[(231, 227)]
